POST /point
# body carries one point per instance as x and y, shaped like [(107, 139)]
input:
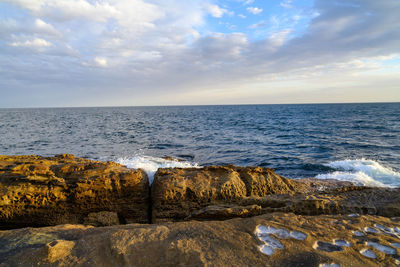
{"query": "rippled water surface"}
[(295, 140)]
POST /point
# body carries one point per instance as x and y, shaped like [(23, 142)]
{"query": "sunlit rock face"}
[(41, 191), (224, 192), (179, 193), (278, 239), (222, 216)]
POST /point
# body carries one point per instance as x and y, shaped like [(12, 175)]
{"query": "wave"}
[(151, 164), (362, 172)]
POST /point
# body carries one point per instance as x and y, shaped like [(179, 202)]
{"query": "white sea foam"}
[(363, 172), (151, 164)]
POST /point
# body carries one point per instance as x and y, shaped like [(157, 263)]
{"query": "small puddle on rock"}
[(271, 244), (342, 243), (325, 246), (298, 235), (368, 253), (329, 265), (371, 230), (358, 233), (353, 215), (382, 248)]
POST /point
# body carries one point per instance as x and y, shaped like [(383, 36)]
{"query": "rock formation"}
[(277, 239), (220, 193), (223, 216), (41, 191), (177, 192)]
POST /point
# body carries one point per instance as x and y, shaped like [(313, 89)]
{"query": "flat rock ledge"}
[(278, 239)]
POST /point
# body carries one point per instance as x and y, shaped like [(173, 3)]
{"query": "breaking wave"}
[(151, 164), (362, 172)]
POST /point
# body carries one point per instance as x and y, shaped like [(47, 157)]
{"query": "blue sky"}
[(170, 52), (273, 16)]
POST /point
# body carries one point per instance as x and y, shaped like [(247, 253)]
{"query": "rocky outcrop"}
[(277, 221), (225, 192), (276, 239), (42, 191), (178, 192)]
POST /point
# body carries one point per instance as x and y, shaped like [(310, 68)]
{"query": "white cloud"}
[(35, 43), (215, 10), (128, 13), (242, 16), (166, 47), (248, 2), (279, 38), (254, 10), (287, 4), (222, 46), (101, 61), (69, 9), (33, 5), (257, 25), (46, 28)]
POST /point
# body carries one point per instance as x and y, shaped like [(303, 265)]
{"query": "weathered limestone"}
[(276, 239), (224, 192), (41, 191), (177, 192)]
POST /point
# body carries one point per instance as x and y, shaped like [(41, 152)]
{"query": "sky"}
[(68, 53)]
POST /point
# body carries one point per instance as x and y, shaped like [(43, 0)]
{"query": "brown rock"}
[(220, 193), (102, 218), (262, 182), (298, 241), (179, 193), (225, 212), (40, 191), (176, 192)]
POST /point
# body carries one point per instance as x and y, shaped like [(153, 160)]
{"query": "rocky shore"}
[(93, 213)]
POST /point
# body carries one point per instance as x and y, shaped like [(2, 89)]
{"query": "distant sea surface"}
[(355, 142)]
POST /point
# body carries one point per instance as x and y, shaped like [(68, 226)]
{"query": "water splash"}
[(151, 164), (362, 172)]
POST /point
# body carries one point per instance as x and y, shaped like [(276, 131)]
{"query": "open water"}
[(356, 142)]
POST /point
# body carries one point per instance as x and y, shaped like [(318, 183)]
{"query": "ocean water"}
[(356, 142)]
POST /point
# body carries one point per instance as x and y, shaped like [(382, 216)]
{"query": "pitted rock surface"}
[(42, 191), (235, 242), (223, 192)]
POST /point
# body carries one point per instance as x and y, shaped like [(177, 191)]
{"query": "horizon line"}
[(200, 105)]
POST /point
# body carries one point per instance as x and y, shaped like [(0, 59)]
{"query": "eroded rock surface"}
[(276, 239), (178, 192), (41, 191), (223, 192)]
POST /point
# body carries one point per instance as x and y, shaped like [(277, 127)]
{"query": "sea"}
[(351, 142)]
